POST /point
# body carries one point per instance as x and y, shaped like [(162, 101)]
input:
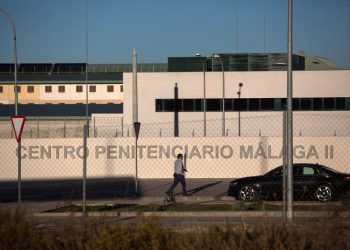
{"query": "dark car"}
[(310, 181)]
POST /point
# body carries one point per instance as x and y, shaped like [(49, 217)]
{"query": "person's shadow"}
[(197, 189)]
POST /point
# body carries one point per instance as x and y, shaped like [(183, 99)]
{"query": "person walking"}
[(179, 176)]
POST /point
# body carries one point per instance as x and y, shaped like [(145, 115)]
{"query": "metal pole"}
[(223, 98), (136, 165), (134, 87), (284, 147), (84, 169), (223, 93), (290, 116), (236, 28), (16, 96), (37, 127), (19, 157), (86, 66), (64, 128), (204, 102), (239, 108), (264, 34)]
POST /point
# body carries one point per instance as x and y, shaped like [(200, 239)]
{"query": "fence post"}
[(284, 148), (94, 127), (122, 125), (84, 168), (37, 127), (64, 128), (160, 133)]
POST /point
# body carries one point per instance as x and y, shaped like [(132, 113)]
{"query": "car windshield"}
[(275, 172)]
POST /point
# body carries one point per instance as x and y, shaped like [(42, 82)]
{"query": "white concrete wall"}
[(206, 157), (257, 84), (267, 84)]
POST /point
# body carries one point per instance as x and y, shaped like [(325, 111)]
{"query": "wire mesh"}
[(52, 156)]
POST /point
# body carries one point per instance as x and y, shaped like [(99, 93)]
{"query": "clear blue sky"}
[(53, 31)]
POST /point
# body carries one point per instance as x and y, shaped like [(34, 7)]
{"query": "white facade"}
[(257, 84)]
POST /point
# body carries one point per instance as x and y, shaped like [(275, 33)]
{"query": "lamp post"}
[(14, 57), (86, 67), (223, 93), (204, 97), (289, 131), (16, 101), (240, 85)]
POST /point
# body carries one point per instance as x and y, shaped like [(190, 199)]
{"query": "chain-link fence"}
[(52, 163), (305, 124)]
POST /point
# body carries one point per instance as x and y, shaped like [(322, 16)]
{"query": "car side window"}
[(308, 171), (297, 171)]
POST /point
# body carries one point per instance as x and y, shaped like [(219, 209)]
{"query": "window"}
[(198, 106), (240, 104), (296, 104), (340, 103), (18, 89), (48, 89), (121, 88), (308, 171), (168, 105), (328, 103), (267, 104), (188, 104), (229, 104), (30, 89), (305, 104), (110, 88), (79, 89), (251, 104), (1, 89), (254, 104), (92, 88), (159, 105), (317, 104), (61, 89), (214, 104)]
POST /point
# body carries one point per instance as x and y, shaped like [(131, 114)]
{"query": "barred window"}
[(48, 89), (61, 89), (30, 89), (92, 88), (110, 88), (79, 89)]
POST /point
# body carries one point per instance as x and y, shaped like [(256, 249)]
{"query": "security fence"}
[(52, 167), (305, 124)]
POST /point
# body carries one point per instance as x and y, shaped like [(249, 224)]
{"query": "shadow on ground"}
[(66, 190)]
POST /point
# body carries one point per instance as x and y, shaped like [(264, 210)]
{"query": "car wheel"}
[(247, 193), (323, 193)]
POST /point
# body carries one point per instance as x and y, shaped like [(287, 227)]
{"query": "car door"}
[(304, 180), (272, 183)]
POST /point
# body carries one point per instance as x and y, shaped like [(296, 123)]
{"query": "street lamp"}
[(204, 96), (223, 93), (16, 103), (15, 56), (240, 85)]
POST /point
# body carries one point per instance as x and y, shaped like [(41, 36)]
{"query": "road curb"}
[(263, 214)]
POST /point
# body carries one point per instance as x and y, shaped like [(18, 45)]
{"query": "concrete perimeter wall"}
[(205, 157)]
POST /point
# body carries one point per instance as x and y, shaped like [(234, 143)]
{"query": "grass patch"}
[(16, 232)]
